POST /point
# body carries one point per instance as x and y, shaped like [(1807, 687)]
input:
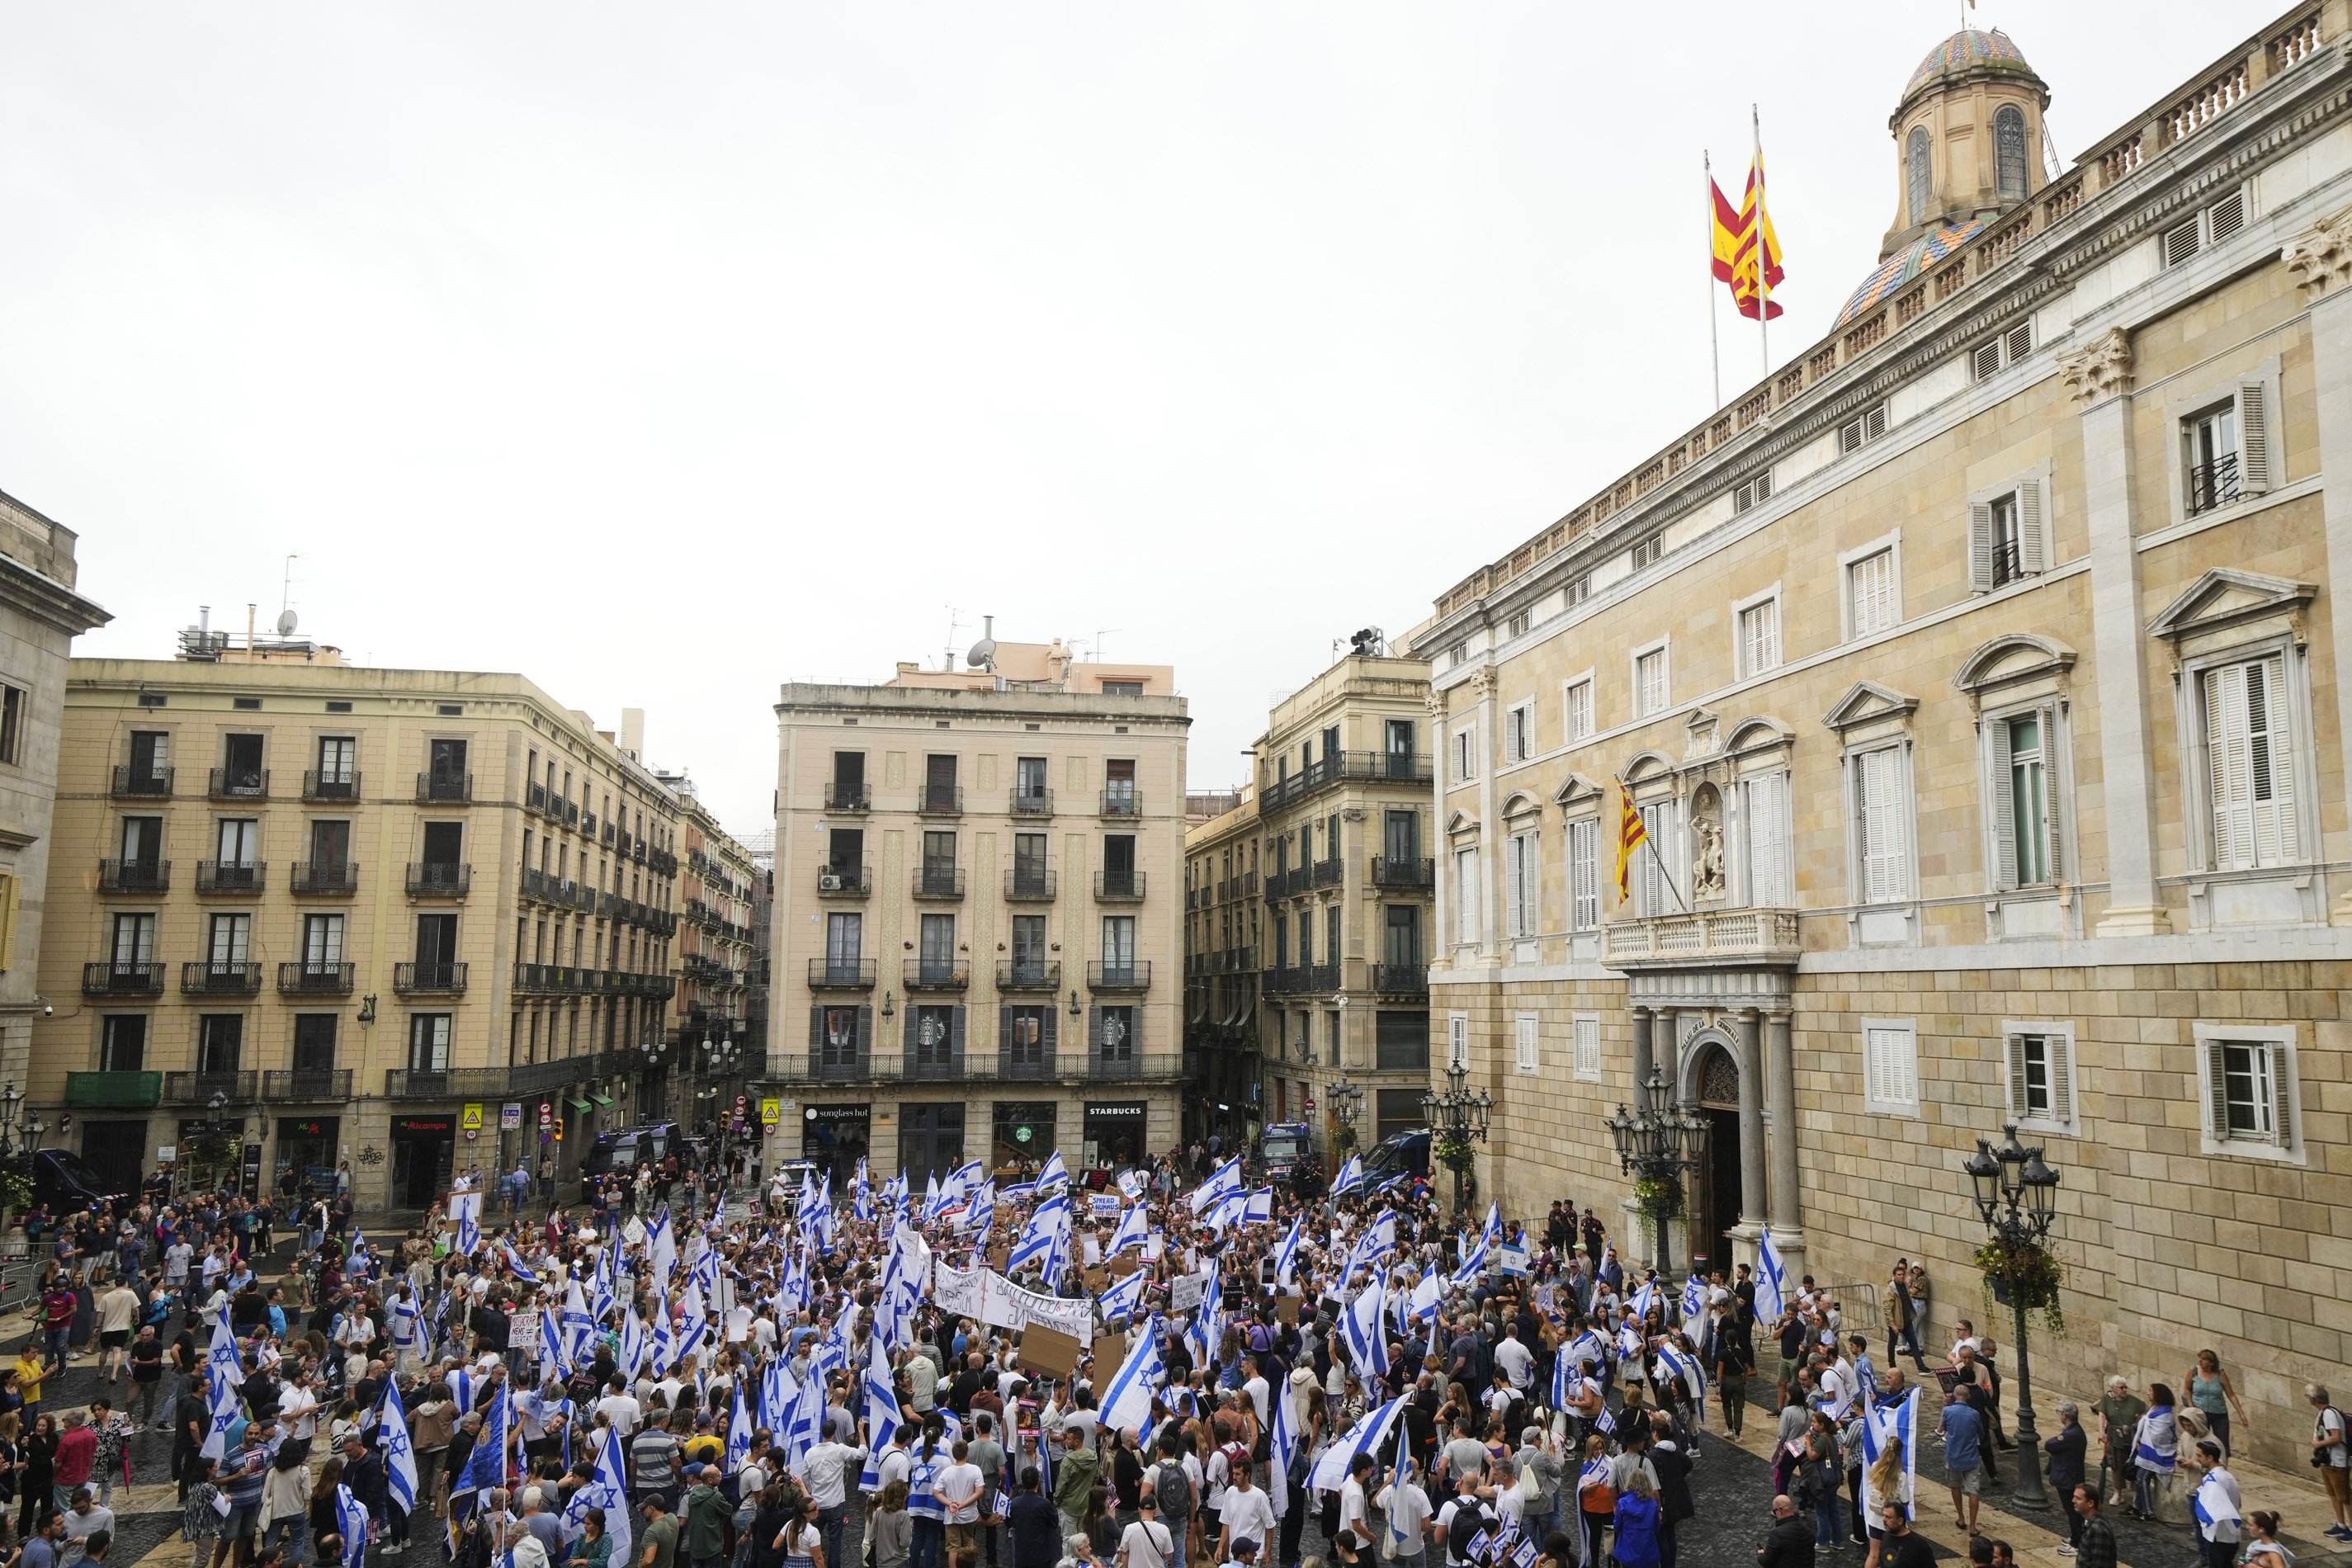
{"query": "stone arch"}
[(1693, 1065)]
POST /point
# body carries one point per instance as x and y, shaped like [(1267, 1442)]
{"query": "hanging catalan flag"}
[(1745, 246), (1631, 835)]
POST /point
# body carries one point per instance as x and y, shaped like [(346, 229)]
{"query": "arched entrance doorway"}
[(1718, 1188)]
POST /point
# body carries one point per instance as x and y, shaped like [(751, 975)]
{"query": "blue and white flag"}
[(222, 1410), (607, 1489), (1226, 1178), (1378, 1241), (1880, 1423), (862, 1195), (1422, 1307), (1286, 1260), (1474, 1255), (1048, 1222), (2156, 1444), (881, 1413), (352, 1524), (1283, 1447), (1126, 1402), (739, 1433), (1209, 1319), (661, 1247), (1350, 1177), (1644, 1300), (399, 1452), (516, 1265), (1685, 1369), (1368, 1339), (1258, 1209), (1599, 1278), (979, 1214), (804, 1427), (224, 1360), (2216, 1514), (1371, 1430), (487, 1469), (466, 1208), (1055, 1177), (1693, 1298), (1772, 1280), (1131, 1234), (1122, 1300)]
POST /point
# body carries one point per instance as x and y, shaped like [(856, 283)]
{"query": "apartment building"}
[(416, 919), (977, 877), (1224, 923), (1979, 682), (712, 1023)]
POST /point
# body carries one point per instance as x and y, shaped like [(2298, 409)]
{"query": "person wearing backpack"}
[(1172, 1486), (1463, 1520)]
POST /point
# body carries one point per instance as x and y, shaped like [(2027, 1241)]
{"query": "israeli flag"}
[(881, 1414), (607, 1489), (662, 1247), (1209, 1319), (222, 1360), (739, 1433), (351, 1523), (932, 1201), (1600, 1277), (1772, 1280), (805, 1429), (1371, 1430), (694, 1322), (1055, 1177), (1133, 1232), (1258, 1208), (1422, 1307), (2156, 1444), (1686, 1370), (1693, 1298), (399, 1452), (466, 1208), (1285, 1261), (862, 1202), (2214, 1510), (1475, 1256), (1644, 1300), (1128, 1401), (1368, 1339), (579, 1328), (979, 1217), (1376, 1242), (1350, 1177), (1049, 1221), (1122, 1298), (1879, 1422), (1282, 1447), (516, 1265), (488, 1466), (223, 1409), (1226, 1178)]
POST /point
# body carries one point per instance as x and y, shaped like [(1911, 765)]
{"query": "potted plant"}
[(1453, 1152), (2018, 1273)]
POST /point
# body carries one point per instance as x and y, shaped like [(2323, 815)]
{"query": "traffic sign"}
[(509, 1117), (772, 1111), (742, 1100), (1310, 1105), (471, 1118), (546, 1113)]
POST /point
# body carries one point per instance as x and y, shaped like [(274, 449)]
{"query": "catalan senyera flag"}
[(1631, 835), (1746, 244)]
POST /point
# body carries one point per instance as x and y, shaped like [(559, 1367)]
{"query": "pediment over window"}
[(1648, 765), (1459, 823), (2015, 656), (1758, 733), (1867, 702), (1521, 803), (2224, 597), (1575, 790)]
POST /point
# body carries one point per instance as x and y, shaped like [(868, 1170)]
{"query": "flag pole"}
[(1714, 341), (1763, 253)]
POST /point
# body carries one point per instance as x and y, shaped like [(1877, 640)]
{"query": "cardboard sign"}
[(1286, 1308), (1049, 1352), (1184, 1293), (1125, 1263), (1000, 1257), (1105, 1205), (1098, 1279), (522, 1334), (1110, 1350)]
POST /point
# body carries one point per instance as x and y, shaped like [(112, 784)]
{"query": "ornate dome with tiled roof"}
[(1965, 50), (1904, 264)]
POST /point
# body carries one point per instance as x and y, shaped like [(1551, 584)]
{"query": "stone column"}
[(2099, 376), (1785, 1202), (1441, 847), (1642, 1052), (1490, 852), (1752, 1118), (2321, 259)]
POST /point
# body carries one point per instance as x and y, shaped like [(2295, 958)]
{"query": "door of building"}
[(116, 1152), (930, 1141), (422, 1148)]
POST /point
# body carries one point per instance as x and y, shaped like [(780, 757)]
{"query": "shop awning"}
[(604, 1100), (579, 1105)]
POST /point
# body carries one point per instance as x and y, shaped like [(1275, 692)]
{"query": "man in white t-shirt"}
[(1148, 1543), (1352, 1495), (621, 1408), (1247, 1510), (1407, 1506), (957, 1487), (1253, 1385), (1518, 1363)]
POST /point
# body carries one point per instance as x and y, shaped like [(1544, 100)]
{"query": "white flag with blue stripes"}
[(1371, 1430), (1126, 1403), (1772, 1280)]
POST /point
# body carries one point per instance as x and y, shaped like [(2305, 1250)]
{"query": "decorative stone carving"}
[(2099, 370), (2321, 257), (1485, 679), (1706, 843), (1702, 736)]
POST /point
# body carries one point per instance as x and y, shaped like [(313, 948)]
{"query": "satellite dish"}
[(286, 623), (983, 655)]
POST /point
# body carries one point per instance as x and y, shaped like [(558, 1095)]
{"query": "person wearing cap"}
[(1243, 1554), (1147, 1542), (708, 1518)]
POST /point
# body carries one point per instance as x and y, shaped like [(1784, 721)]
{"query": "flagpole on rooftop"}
[(1763, 251), (1714, 341)]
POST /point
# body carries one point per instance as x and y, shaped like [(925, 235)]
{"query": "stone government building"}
[(1975, 678)]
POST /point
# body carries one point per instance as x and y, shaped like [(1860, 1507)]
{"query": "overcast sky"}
[(667, 353)]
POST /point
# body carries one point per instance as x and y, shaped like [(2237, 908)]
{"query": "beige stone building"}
[(711, 1022), (978, 881), (1225, 921), (1980, 682), (319, 912), (1323, 936)]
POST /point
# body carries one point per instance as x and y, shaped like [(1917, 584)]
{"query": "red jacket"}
[(76, 1450)]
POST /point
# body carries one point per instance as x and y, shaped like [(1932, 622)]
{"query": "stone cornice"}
[(47, 600)]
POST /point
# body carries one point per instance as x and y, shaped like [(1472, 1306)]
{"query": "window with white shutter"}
[(1585, 1028), (1520, 733), (1583, 875), (1457, 1040), (1465, 754), (1576, 710), (1882, 812), (1871, 595), (1764, 824), (2247, 1075), (1465, 894), (1654, 893), (1890, 1067), (1759, 636), (1522, 885), (2022, 797), (2250, 763), (2008, 535), (1650, 682), (2038, 1075), (1530, 1048)]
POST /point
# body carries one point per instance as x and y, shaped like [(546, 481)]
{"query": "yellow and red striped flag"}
[(1745, 246), (1631, 832)]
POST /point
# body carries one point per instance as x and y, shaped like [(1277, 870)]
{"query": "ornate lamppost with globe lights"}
[(1655, 1146), (2015, 1192), (1457, 1119)]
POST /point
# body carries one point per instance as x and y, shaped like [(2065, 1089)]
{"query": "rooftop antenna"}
[(955, 624), (1099, 642), (286, 621)]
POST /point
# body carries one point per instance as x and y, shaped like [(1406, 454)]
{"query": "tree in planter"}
[(208, 1155), (1660, 1199)]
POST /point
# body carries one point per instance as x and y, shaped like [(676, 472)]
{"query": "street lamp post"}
[(1655, 1146), (2014, 1192), (1459, 1117)]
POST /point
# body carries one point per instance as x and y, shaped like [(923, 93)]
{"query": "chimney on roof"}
[(633, 734)]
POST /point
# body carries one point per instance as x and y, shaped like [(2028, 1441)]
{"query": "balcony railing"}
[(220, 979), (307, 1083), (1118, 887), (332, 785), (483, 1083), (446, 978), (1326, 873), (841, 975), (1122, 801), (113, 1090), (230, 876), (1337, 767), (1726, 933), (1135, 975), (134, 876), (1280, 884), (1401, 979), (1029, 974), (2213, 485), (1404, 873), (326, 879), (438, 879), (443, 789), (198, 1087), (1302, 978), (135, 783), (1033, 802), (238, 784), (938, 881), (2008, 566), (306, 978), (930, 1064), (1030, 885), (122, 979), (844, 881), (1028, 1064), (940, 800), (935, 974)]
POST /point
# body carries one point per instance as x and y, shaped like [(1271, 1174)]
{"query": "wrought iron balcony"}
[(220, 979), (841, 975), (1401, 979), (1029, 1064), (198, 1087), (944, 1064), (445, 789), (838, 881), (438, 879), (238, 784), (483, 1083), (1033, 802), (326, 879), (1302, 979), (331, 785), (931, 1064), (1118, 887), (939, 800), (1328, 873), (2213, 485), (122, 979), (134, 876), (1135, 975), (302, 978), (134, 782), (1029, 974), (230, 878), (1122, 801), (307, 1083), (938, 882), (935, 974), (1338, 767), (1404, 873), (443, 978), (1030, 885)]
